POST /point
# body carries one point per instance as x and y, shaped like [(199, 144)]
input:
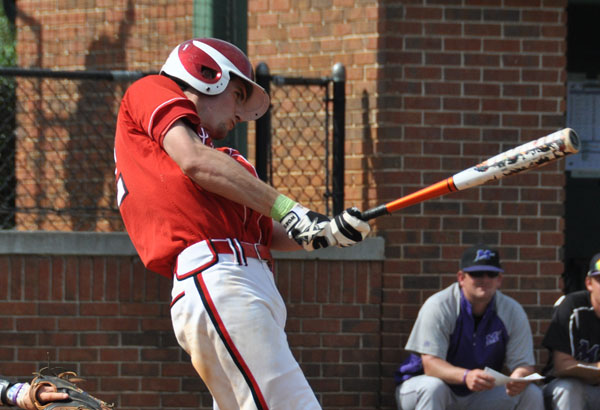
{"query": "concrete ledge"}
[(65, 243), (119, 244), (371, 249)]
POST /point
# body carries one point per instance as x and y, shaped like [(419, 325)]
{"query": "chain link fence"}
[(300, 141), (56, 142), (57, 137)]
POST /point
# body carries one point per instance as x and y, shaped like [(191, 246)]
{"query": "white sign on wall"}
[(583, 115)]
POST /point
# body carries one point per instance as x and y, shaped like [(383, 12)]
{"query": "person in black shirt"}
[(573, 339)]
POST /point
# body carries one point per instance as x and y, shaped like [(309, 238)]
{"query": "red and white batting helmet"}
[(206, 64)]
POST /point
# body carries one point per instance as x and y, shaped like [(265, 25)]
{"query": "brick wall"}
[(433, 87), (294, 38), (100, 34), (108, 319), (80, 35), (105, 318), (459, 82)]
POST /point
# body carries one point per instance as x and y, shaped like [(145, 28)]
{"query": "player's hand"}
[(515, 388), (347, 229), (306, 227), (45, 394), (479, 380)]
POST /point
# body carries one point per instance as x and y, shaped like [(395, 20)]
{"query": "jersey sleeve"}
[(154, 103), (557, 335), (519, 349), (434, 325)]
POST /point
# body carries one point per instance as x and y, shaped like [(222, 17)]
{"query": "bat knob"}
[(573, 140), (354, 211)]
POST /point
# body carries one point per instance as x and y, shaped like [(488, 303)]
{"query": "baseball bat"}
[(515, 161)]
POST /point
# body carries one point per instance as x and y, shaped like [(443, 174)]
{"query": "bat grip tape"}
[(374, 212)]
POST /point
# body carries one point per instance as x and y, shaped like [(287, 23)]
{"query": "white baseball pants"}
[(228, 315), (430, 393)]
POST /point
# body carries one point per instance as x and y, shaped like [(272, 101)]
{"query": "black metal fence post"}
[(263, 125), (339, 136)]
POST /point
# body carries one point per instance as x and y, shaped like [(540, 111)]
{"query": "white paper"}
[(502, 379)]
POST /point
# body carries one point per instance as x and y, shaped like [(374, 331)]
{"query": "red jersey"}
[(163, 210)]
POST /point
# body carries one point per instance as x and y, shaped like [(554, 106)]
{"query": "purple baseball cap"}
[(481, 258)]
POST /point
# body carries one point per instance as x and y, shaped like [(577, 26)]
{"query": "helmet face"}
[(206, 64)]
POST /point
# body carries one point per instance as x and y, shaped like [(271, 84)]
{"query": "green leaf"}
[(8, 56)]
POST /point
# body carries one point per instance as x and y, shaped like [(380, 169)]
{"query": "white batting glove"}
[(306, 227), (347, 229)]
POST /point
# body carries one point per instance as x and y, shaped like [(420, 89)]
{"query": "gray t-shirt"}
[(445, 325)]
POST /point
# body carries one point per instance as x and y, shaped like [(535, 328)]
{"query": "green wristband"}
[(281, 207)]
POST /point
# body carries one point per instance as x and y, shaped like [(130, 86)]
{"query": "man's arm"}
[(217, 172), (563, 361), (519, 356), (475, 379)]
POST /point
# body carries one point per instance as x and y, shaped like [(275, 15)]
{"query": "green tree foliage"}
[(8, 55), (8, 58)]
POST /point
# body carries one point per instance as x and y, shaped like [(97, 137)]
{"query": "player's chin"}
[(484, 293), (219, 133)]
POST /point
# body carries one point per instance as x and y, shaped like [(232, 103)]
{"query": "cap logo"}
[(484, 254), (597, 265)]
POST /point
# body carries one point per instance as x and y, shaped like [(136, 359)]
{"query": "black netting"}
[(56, 142), (57, 136), (300, 165)]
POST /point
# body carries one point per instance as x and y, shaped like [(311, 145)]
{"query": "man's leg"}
[(592, 396), (494, 399), (530, 399), (565, 394), (231, 322), (424, 393)]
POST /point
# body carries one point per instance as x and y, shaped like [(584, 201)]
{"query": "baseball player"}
[(573, 339), (200, 216), (17, 394)]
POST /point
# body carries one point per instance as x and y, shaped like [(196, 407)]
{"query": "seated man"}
[(461, 330), (573, 338)]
